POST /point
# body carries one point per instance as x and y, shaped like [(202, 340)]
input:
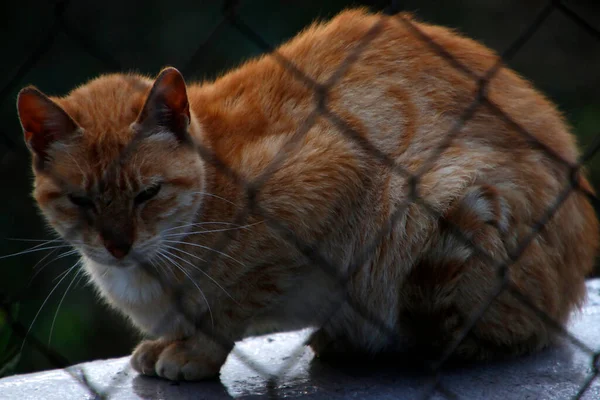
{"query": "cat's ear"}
[(44, 122), (167, 105)]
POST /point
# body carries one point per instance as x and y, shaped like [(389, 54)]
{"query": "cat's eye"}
[(81, 201), (147, 194)]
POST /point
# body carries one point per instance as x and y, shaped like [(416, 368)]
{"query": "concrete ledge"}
[(557, 373)]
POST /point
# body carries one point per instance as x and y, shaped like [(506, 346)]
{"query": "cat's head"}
[(115, 167)]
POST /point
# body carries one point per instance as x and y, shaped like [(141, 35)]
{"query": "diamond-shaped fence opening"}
[(311, 251)]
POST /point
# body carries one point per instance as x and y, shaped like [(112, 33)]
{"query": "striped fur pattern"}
[(160, 202)]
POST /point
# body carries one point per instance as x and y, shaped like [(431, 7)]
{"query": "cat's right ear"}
[(167, 105), (44, 122)]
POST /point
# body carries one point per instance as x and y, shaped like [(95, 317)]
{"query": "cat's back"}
[(398, 82), (367, 87), (364, 87)]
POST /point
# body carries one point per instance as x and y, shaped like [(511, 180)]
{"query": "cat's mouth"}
[(140, 255), (131, 260)]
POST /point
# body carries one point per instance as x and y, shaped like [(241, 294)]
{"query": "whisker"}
[(217, 197), (183, 251), (35, 240), (68, 253), (64, 272), (79, 271), (33, 250), (204, 247), (58, 257), (214, 230), (198, 224), (36, 273), (165, 265), (42, 259), (153, 264), (77, 164), (199, 269), (43, 242), (81, 276), (44, 303), (166, 255)]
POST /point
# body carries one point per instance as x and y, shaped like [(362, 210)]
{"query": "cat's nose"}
[(117, 234), (118, 248)]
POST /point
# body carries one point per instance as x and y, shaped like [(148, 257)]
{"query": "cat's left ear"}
[(167, 105)]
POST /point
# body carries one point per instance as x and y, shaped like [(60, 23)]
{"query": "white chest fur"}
[(133, 292), (129, 286)]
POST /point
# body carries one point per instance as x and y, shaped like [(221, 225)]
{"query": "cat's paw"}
[(481, 205), (183, 360), (178, 360), (145, 355), (319, 342), (327, 347)]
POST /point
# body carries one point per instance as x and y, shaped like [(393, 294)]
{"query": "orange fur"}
[(399, 96)]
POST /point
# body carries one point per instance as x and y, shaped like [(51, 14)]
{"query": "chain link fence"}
[(230, 17)]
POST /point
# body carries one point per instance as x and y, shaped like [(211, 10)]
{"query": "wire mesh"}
[(229, 16)]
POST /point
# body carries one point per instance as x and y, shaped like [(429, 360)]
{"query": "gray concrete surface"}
[(557, 373)]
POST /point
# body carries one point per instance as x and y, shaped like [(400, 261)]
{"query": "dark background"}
[(59, 45)]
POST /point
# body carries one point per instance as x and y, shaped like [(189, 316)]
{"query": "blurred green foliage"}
[(561, 59), (9, 351)]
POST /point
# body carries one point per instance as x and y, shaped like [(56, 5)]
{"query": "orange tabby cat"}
[(158, 202)]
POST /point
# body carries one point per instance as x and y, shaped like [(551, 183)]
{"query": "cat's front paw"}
[(178, 360), (184, 360), (145, 355)]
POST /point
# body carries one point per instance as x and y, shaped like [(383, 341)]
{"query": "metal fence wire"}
[(230, 16)]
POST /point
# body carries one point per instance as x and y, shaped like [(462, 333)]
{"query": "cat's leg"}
[(281, 305), (273, 305), (321, 342), (194, 358), (355, 332), (459, 278), (426, 298), (326, 346)]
